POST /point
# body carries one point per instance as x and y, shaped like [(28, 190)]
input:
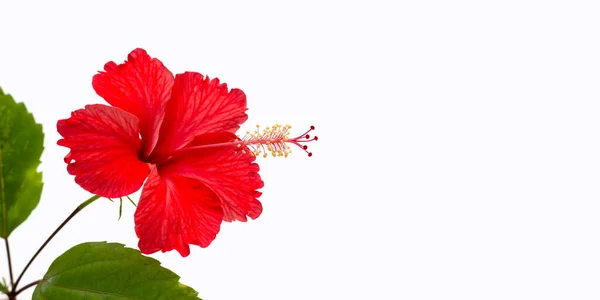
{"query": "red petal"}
[(142, 86), (199, 105), (175, 212), (105, 144), (229, 172)]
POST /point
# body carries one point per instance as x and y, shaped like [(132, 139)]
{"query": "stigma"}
[(276, 141)]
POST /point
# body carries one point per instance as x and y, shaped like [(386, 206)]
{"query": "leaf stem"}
[(27, 286), (77, 210), (12, 281)]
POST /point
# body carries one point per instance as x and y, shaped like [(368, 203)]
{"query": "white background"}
[(459, 155)]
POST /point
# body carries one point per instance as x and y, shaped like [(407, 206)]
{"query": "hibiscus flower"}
[(175, 135)]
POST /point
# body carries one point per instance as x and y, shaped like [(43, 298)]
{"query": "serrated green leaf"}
[(21, 145), (109, 271)]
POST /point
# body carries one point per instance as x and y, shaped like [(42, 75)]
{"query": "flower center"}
[(276, 140)]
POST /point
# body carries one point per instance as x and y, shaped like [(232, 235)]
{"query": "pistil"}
[(272, 139), (276, 140)]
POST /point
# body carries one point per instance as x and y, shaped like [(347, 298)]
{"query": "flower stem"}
[(9, 263), (27, 286), (77, 210)]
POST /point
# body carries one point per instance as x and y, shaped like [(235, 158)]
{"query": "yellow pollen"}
[(275, 140)]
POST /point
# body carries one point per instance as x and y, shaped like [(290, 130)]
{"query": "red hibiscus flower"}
[(176, 134)]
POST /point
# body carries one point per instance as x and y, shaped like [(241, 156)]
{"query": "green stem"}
[(27, 286), (77, 210), (12, 280)]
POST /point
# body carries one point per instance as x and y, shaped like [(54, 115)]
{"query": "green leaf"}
[(109, 271), (4, 286), (21, 145)]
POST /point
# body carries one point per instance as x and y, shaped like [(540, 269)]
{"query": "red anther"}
[(307, 136), (309, 154), (316, 138), (304, 147), (312, 127)]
